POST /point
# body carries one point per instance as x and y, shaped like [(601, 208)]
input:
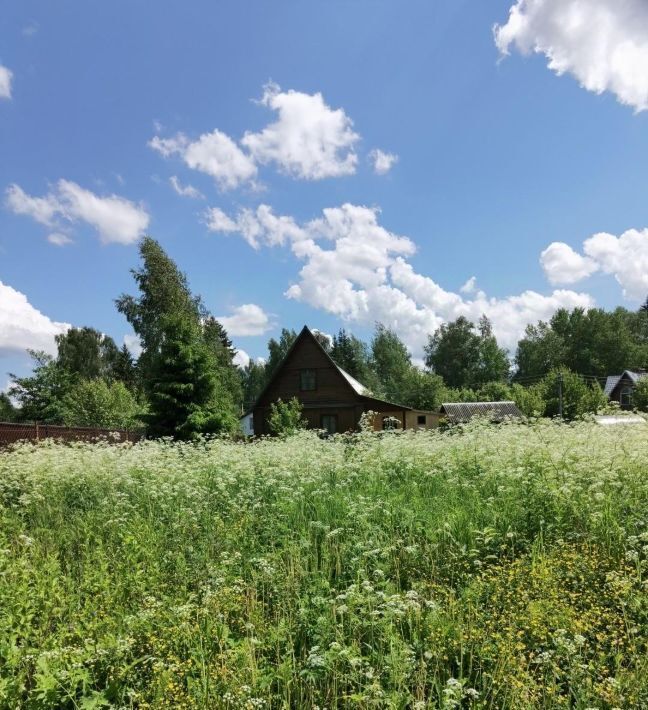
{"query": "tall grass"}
[(487, 568)]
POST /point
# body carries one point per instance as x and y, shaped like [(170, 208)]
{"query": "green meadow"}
[(485, 567)]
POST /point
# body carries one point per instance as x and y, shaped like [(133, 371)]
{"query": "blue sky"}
[(519, 158)]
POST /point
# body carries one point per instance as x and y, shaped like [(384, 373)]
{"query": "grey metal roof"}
[(613, 380), (357, 386), (495, 411)]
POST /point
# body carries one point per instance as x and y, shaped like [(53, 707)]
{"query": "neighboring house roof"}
[(613, 380), (464, 411)]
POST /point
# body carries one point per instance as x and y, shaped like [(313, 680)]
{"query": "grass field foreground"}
[(488, 567)]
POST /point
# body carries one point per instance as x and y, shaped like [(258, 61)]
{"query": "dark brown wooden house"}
[(620, 388), (332, 400)]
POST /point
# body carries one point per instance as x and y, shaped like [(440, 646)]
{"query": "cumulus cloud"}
[(24, 327), (247, 319), (241, 358), (469, 286), (356, 269), (42, 209), (309, 139), (382, 162), (624, 257), (185, 190), (603, 43), (563, 265), (214, 154), (6, 76), (115, 218), (134, 344)]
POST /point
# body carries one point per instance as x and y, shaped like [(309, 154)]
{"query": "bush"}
[(578, 397), (286, 417), (100, 404)]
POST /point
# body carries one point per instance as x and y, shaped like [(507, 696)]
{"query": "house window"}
[(307, 380), (420, 420), (626, 397), (329, 423), (390, 423)]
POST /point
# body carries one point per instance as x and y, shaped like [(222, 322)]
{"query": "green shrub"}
[(286, 417)]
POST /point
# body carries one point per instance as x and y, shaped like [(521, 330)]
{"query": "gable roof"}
[(464, 411), (613, 380), (357, 387)]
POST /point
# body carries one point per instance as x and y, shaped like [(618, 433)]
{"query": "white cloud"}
[(603, 43), (562, 265), (24, 327), (309, 140), (469, 286), (185, 190), (382, 162), (115, 218), (217, 221), (248, 319), (624, 257), (241, 358), (134, 344), (215, 154), (59, 239), (6, 76), (42, 209), (357, 270)]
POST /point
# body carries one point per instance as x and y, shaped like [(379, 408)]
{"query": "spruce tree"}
[(185, 396)]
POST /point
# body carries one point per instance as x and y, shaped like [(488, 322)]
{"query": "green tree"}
[(277, 350), (102, 404), (453, 352), (578, 397), (7, 410), (391, 363), (352, 355), (592, 342), (186, 398), (539, 351), (286, 417), (164, 295), (422, 389), (493, 364), (219, 344), (41, 395), (87, 353), (529, 400), (640, 395), (253, 379), (125, 370), (496, 391), (465, 356)]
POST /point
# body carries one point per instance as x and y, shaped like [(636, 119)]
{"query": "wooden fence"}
[(11, 433)]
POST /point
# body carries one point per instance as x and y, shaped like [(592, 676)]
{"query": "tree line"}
[(185, 381)]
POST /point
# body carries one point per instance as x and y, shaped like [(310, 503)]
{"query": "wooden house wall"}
[(331, 386), (333, 395), (615, 395)]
